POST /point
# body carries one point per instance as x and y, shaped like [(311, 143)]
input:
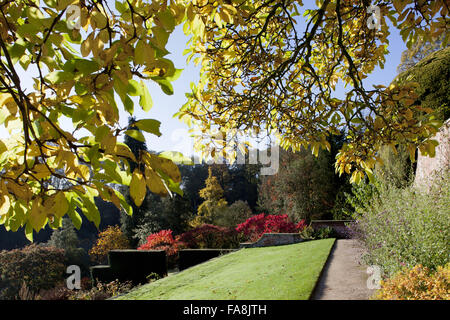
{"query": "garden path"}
[(344, 277)]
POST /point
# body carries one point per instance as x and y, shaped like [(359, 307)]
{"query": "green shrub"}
[(308, 233), (37, 266), (325, 233), (396, 171), (406, 227), (231, 216)]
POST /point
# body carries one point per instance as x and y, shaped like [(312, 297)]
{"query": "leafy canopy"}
[(77, 74), (260, 68), (266, 68)]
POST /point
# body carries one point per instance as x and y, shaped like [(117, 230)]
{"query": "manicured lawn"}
[(272, 273)]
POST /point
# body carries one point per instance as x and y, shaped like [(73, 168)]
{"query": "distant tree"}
[(213, 201), (176, 213), (109, 239), (241, 183), (305, 187), (238, 181), (66, 238), (233, 215), (193, 180), (164, 213)]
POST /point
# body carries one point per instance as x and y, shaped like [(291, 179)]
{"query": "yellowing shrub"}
[(110, 239), (418, 283)]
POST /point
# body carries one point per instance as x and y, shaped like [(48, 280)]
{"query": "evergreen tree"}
[(140, 214), (194, 177), (213, 201)]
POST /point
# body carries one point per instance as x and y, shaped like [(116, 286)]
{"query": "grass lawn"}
[(272, 273)]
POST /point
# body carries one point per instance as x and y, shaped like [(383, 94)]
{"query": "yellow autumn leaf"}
[(38, 217), (86, 45), (155, 183), (20, 191), (123, 150), (4, 204), (40, 171), (61, 205), (138, 187)]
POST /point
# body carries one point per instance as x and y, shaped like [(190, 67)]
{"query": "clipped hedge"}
[(433, 74), (102, 274), (133, 265)]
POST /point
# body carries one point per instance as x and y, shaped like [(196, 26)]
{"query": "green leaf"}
[(17, 50), (176, 157), (175, 76), (160, 37), (149, 125), (29, 231), (80, 89), (56, 77), (101, 132), (74, 216), (175, 187), (90, 210), (135, 134), (15, 222), (121, 7), (128, 209), (165, 85), (139, 52), (112, 170), (85, 66), (28, 29), (166, 19), (128, 105), (145, 101), (134, 88)]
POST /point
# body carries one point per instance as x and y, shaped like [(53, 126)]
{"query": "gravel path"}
[(344, 277)]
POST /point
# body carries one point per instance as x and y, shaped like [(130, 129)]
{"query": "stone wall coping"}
[(135, 250), (328, 221), (206, 249)]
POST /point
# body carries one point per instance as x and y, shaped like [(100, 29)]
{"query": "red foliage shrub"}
[(253, 228), (162, 240), (209, 236)]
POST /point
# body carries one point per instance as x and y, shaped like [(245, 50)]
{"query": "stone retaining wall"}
[(427, 167), (339, 226), (273, 239)]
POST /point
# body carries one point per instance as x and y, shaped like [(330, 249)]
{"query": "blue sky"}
[(174, 132)]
